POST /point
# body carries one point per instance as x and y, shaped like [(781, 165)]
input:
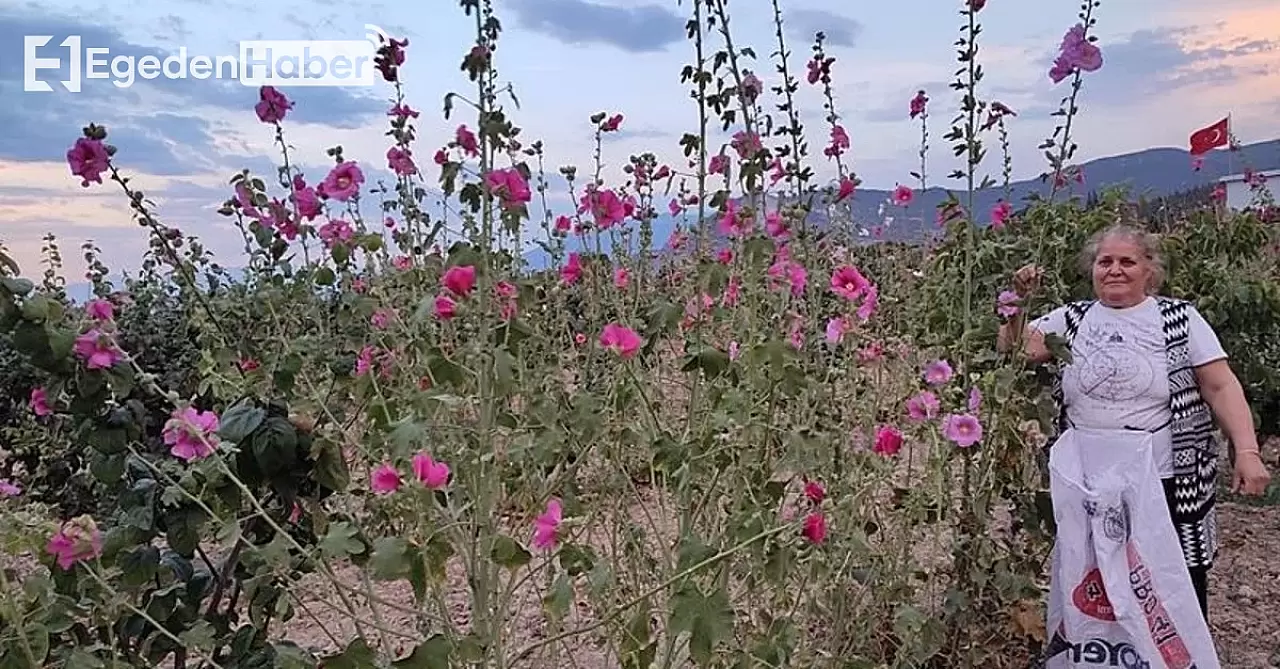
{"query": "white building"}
[(1239, 193)]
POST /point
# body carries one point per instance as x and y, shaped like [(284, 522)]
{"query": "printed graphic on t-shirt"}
[(1113, 368)]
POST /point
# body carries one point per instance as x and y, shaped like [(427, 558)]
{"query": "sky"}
[(1170, 66)]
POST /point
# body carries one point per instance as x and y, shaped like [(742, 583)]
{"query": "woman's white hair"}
[(1147, 241)]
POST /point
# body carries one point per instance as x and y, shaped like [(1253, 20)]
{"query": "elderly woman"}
[(1146, 362)]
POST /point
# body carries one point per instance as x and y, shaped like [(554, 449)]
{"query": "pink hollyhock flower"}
[(815, 527), (572, 270), (402, 111), (918, 104), (846, 189), (384, 480), (751, 87), (400, 161), (335, 232), (674, 207), (719, 164), (97, 350), (563, 225), (937, 372), (1076, 53), (606, 207), (869, 303), (888, 441), (191, 434), (88, 159), (963, 429), (775, 226), (836, 330), (839, 142), (100, 310), (612, 123), (459, 280), (466, 140), (9, 488), (746, 143), (848, 282), (446, 308), (732, 222), (923, 406), (814, 491), (430, 473), (272, 105), (402, 262), (902, 195), (620, 339), (343, 181), (975, 399), (510, 186), (547, 525), (78, 540), (40, 402), (382, 318), (621, 278), (1007, 303), (999, 214), (306, 198)]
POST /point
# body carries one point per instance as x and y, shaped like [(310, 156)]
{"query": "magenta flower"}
[(272, 105), (40, 402), (938, 372), (547, 525), (97, 350), (343, 181), (430, 473), (622, 340), (88, 159), (384, 480), (191, 434)]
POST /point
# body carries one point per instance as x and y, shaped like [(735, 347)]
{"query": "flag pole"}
[(1231, 145)]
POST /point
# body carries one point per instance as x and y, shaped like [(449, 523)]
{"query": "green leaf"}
[(238, 422), (390, 559), (275, 445), (559, 598), (17, 286), (331, 468), (290, 656), (107, 468), (712, 362), (139, 565), (325, 277), (707, 619), (342, 540), (507, 552), (430, 654), (358, 655)]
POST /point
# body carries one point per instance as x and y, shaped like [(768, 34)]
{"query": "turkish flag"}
[(1205, 139)]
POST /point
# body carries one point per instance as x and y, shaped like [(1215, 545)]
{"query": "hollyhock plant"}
[(191, 434), (9, 488), (888, 441), (343, 182), (918, 104), (620, 339), (814, 491), (902, 195), (430, 473), (40, 402), (400, 161), (272, 105), (571, 273), (815, 527), (384, 480), (963, 429), (445, 307), (459, 280), (546, 527), (1077, 53), (848, 282), (923, 406), (937, 373), (77, 540), (88, 159), (1000, 214), (100, 310), (510, 186), (97, 350)]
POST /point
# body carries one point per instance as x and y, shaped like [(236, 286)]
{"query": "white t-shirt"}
[(1118, 378)]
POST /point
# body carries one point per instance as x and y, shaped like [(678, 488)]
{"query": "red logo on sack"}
[(1091, 597)]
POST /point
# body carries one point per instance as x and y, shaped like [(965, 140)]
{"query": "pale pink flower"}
[(975, 399), (964, 429), (191, 434), (78, 540), (100, 310), (923, 406), (937, 372), (1007, 303), (97, 350), (40, 402)]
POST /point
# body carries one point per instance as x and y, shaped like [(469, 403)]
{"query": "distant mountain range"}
[(1150, 173)]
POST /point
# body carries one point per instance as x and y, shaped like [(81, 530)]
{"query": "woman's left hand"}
[(1250, 476)]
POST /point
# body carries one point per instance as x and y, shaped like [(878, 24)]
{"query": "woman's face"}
[(1121, 273)]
